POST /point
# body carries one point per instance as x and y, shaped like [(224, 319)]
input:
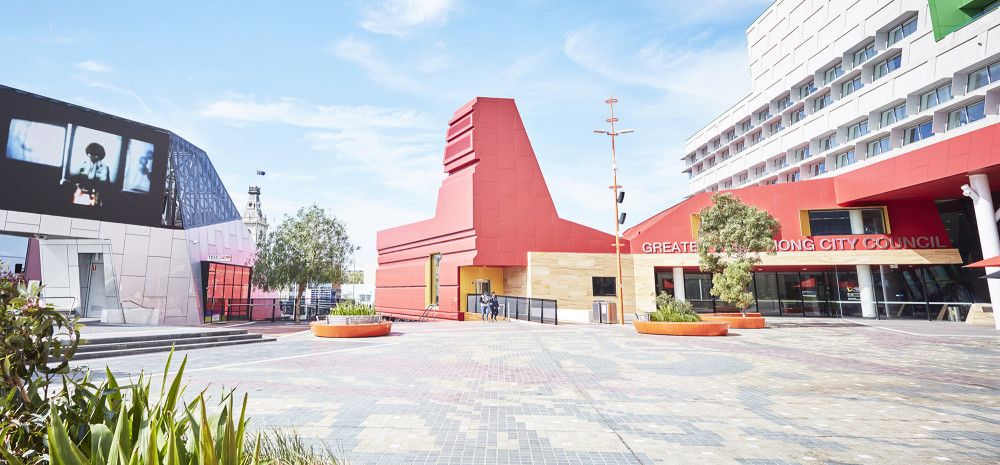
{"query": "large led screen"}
[(60, 159)]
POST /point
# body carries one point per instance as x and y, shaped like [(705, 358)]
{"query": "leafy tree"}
[(731, 237), (310, 248)]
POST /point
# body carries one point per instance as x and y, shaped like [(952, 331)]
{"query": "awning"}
[(995, 261)]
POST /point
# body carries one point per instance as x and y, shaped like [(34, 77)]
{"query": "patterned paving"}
[(521, 393)]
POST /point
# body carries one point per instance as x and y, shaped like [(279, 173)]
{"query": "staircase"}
[(112, 346)]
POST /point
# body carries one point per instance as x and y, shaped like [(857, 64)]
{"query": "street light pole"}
[(613, 133)]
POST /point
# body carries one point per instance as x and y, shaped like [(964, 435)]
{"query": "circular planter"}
[(698, 328), (343, 331), (737, 322)]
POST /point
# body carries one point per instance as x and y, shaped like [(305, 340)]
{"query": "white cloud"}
[(399, 17), (295, 112), (696, 78), (378, 68), (397, 146), (93, 66)]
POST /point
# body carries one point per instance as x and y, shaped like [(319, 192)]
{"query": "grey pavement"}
[(801, 392)]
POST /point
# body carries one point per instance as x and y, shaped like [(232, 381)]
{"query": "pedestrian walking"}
[(484, 305), (494, 307)]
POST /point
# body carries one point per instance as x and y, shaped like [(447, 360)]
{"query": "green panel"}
[(948, 16)]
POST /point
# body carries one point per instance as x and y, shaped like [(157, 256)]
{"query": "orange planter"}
[(737, 322), (373, 330), (749, 314), (700, 328)]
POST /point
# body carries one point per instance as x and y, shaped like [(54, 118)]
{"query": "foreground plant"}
[(351, 309), (671, 310), (136, 429), (36, 345)]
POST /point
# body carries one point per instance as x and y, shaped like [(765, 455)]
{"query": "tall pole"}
[(614, 132)]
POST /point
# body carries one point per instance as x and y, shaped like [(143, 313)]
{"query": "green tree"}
[(731, 238), (310, 248)]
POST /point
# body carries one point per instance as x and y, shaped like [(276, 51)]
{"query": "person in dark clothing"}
[(494, 307)]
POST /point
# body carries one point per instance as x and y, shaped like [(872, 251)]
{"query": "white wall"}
[(150, 267)]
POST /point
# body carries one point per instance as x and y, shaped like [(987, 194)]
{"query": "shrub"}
[(36, 345), (351, 309), (669, 309)]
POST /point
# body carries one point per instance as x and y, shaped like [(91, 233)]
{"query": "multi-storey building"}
[(838, 85), (871, 135)]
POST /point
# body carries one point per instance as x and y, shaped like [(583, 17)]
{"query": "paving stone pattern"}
[(523, 393)]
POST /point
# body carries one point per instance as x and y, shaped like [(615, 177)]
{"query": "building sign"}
[(821, 244), (220, 258)]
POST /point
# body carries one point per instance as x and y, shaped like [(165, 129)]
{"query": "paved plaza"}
[(801, 392)]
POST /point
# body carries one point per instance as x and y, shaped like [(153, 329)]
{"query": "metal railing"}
[(519, 308), (265, 308)]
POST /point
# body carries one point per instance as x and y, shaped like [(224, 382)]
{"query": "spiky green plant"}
[(146, 431), (351, 309)]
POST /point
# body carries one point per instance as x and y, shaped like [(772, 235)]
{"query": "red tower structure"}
[(492, 209)]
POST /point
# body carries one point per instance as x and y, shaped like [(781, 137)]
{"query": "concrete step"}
[(163, 336), (176, 345), (100, 345)]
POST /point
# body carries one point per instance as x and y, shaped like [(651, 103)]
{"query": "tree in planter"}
[(731, 237), (310, 248)]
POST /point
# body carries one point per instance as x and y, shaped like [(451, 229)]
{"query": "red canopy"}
[(995, 261)]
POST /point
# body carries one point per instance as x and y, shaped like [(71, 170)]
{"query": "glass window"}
[(730, 135), (888, 66), (966, 115), (936, 96), (822, 102), (784, 102), (740, 146), (878, 147), (745, 126), (725, 154), (775, 127), (798, 115), (873, 221), (756, 137), (603, 286), (696, 290), (792, 177), (893, 115), (827, 143), (800, 154), (844, 159), (781, 161), (917, 133), (763, 115), (716, 144), (742, 178), (857, 130), (848, 87), (758, 171), (830, 222), (817, 168), (832, 73), (806, 89), (864, 54), (903, 30)]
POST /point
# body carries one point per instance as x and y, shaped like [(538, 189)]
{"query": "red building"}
[(885, 240)]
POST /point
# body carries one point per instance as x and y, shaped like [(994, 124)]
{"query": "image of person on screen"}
[(93, 174), (137, 178)]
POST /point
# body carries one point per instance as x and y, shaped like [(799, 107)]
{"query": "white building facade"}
[(837, 85)]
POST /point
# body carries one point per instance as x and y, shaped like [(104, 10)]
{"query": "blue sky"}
[(345, 104)]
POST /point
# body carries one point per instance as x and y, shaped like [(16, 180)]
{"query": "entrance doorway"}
[(482, 286), (92, 295)]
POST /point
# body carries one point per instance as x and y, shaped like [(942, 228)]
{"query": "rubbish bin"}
[(604, 311)]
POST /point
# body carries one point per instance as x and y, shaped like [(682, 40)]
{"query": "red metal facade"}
[(492, 209)]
